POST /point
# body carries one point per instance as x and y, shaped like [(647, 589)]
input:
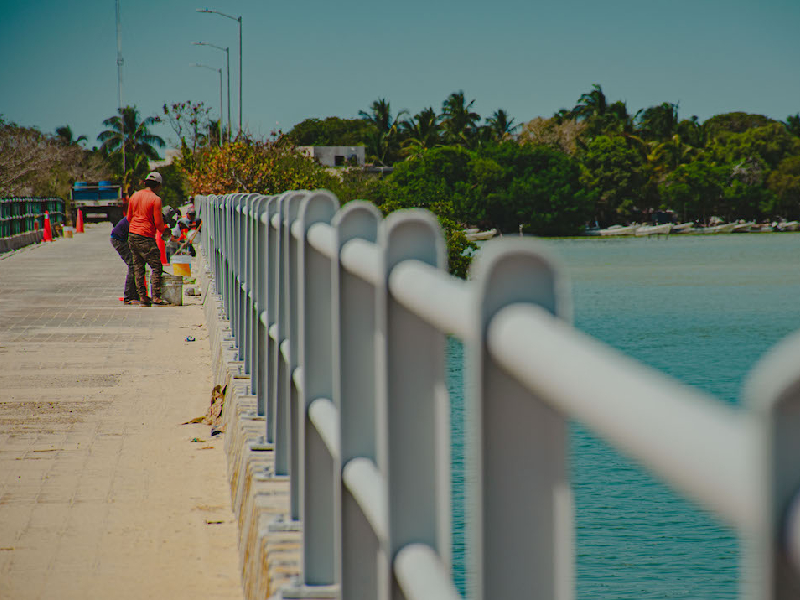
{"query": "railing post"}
[(270, 315), (363, 573), (771, 556), (520, 518), (259, 272), (286, 396), (290, 344), (413, 404), (318, 505)]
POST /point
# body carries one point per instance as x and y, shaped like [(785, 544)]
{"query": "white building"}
[(336, 156)]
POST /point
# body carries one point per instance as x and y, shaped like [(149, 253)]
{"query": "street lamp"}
[(220, 95), (239, 19), (228, 73)]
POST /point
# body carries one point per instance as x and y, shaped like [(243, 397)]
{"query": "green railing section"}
[(21, 215)]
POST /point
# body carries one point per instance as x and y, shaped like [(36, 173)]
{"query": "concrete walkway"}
[(103, 493)]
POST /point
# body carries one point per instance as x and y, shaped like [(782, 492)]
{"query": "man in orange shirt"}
[(146, 221)]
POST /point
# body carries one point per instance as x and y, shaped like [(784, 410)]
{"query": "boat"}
[(747, 227), (788, 226), (663, 229), (683, 228), (473, 235), (722, 228), (620, 230)]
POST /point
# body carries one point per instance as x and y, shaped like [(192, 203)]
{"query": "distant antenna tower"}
[(120, 62)]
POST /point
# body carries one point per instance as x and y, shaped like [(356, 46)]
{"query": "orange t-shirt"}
[(144, 213)]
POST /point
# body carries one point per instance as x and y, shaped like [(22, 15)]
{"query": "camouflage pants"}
[(145, 251), (124, 251)]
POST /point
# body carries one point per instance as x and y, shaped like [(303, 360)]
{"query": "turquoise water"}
[(703, 309)]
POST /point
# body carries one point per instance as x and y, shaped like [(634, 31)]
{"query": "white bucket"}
[(171, 289)]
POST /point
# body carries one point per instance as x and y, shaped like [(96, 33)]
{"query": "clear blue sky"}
[(319, 58)]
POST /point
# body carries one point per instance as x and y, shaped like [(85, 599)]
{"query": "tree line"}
[(628, 164), (594, 163)]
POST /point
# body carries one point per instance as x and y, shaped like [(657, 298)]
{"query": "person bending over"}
[(144, 216), (119, 239)]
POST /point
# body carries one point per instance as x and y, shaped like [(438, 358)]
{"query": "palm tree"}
[(592, 104), (422, 133), (64, 136), (500, 126), (658, 122), (385, 144), (458, 120), (127, 138), (793, 124)]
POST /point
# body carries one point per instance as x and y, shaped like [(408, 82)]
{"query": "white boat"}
[(682, 228), (723, 228), (748, 227), (475, 235), (789, 226), (620, 230), (654, 229)]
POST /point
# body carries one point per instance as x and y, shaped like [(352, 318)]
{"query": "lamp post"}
[(239, 20), (227, 73), (220, 95)]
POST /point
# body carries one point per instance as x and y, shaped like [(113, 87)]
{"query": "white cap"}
[(154, 176)]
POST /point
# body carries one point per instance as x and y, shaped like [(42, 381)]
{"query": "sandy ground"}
[(103, 493)]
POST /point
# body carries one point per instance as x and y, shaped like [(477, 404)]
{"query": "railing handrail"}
[(310, 289)]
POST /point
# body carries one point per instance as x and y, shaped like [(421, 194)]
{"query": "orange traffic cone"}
[(162, 249), (79, 226), (48, 232)]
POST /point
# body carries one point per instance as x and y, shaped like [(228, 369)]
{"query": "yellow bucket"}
[(181, 264)]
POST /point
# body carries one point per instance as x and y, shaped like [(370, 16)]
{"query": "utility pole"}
[(120, 62)]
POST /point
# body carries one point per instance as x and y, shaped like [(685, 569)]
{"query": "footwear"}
[(131, 302), (160, 302), (145, 301)]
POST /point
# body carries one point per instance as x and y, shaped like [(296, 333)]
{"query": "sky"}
[(319, 58)]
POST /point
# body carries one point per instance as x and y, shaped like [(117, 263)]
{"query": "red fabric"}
[(144, 213)]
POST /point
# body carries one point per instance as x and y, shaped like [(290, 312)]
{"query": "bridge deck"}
[(102, 492)]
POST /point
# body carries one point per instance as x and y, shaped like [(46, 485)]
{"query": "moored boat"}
[(620, 230), (722, 228), (682, 228), (663, 229), (474, 235)]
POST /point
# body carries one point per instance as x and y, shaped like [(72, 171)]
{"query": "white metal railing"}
[(340, 317)]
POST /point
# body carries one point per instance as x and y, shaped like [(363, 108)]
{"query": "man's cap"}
[(154, 176)]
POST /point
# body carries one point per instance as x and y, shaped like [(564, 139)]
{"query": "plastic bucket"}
[(181, 264), (171, 289), (68, 232)]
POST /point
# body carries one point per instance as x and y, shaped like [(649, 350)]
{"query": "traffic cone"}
[(162, 249), (79, 226), (48, 232)]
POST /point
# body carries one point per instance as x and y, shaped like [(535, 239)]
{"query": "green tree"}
[(784, 183), (459, 122), (332, 131), (384, 145), (421, 133), (590, 104), (613, 172), (500, 126), (64, 136), (539, 189), (695, 189), (658, 122), (733, 122), (127, 131), (793, 124)]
